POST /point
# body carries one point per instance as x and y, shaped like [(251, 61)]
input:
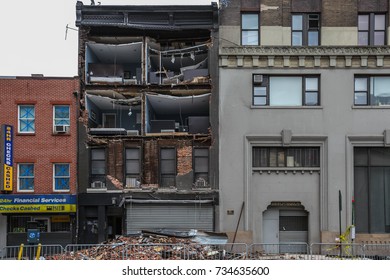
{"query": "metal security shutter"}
[(172, 216), (293, 228)]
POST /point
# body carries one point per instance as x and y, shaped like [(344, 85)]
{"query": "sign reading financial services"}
[(6, 169), (50, 203)]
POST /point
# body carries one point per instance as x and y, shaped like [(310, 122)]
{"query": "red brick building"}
[(42, 113)]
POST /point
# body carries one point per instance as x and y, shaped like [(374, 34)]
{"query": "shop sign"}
[(37, 203), (6, 158)]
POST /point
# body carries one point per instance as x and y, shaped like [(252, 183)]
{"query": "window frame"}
[(372, 29), (133, 175), (194, 157), (25, 177), (161, 174), (266, 83), (246, 30), (61, 119), (369, 167), (26, 119), (93, 177), (369, 94), (306, 29), (281, 157), (55, 177)]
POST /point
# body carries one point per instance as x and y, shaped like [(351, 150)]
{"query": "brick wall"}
[(150, 157), (278, 12), (43, 148), (339, 13)]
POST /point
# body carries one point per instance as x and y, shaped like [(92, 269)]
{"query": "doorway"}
[(285, 230)]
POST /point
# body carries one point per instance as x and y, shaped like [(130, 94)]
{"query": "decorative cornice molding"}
[(304, 51)]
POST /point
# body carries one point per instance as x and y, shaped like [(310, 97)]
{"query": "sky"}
[(32, 34)]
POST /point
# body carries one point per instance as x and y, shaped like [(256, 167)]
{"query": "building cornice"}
[(305, 57), (307, 51)]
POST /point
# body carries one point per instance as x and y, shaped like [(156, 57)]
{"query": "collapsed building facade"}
[(147, 134)]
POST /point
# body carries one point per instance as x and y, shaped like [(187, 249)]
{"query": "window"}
[(250, 29), (372, 189), (54, 224), (167, 167), (61, 176), (133, 164), (25, 177), (201, 165), (374, 90), (26, 118), (372, 29), (98, 165), (18, 223), (305, 30), (61, 118), (285, 90), (285, 157)]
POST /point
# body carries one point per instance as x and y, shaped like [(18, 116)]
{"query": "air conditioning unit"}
[(132, 183), (167, 130), (61, 128), (201, 183), (132, 133), (257, 78), (97, 185)]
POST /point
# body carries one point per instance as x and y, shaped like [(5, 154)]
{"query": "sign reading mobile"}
[(6, 169)]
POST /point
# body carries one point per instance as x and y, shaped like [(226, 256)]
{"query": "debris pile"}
[(149, 247)]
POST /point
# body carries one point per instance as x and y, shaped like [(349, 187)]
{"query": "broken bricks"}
[(150, 247)]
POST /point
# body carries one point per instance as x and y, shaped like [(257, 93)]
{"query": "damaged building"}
[(147, 133)]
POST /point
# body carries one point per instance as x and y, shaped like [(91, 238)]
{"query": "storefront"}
[(54, 216)]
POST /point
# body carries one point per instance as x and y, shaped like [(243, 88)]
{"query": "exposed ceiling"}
[(124, 53), (105, 103), (171, 105)]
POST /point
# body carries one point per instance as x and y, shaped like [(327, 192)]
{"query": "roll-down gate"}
[(184, 216)]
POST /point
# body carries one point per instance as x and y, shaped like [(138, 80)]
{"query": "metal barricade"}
[(336, 251), (227, 251), (279, 251), (94, 252), (31, 252), (155, 252), (376, 251)]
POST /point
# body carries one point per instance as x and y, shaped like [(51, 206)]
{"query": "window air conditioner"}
[(97, 185), (132, 183), (132, 132), (257, 79), (61, 128), (167, 130), (201, 183)]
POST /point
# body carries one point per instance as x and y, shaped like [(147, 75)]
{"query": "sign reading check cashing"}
[(6, 171), (37, 203)]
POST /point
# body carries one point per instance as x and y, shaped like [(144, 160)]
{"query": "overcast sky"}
[(32, 34)]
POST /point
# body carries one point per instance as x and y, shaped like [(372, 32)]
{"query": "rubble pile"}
[(150, 247)]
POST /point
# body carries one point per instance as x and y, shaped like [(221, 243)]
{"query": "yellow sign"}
[(38, 208), (6, 183), (8, 171)]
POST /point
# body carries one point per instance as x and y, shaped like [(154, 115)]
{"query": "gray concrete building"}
[(304, 107)]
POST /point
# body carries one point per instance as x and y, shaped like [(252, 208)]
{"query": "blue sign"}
[(37, 199), (33, 236)]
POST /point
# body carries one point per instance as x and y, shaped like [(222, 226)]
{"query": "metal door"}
[(271, 230)]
